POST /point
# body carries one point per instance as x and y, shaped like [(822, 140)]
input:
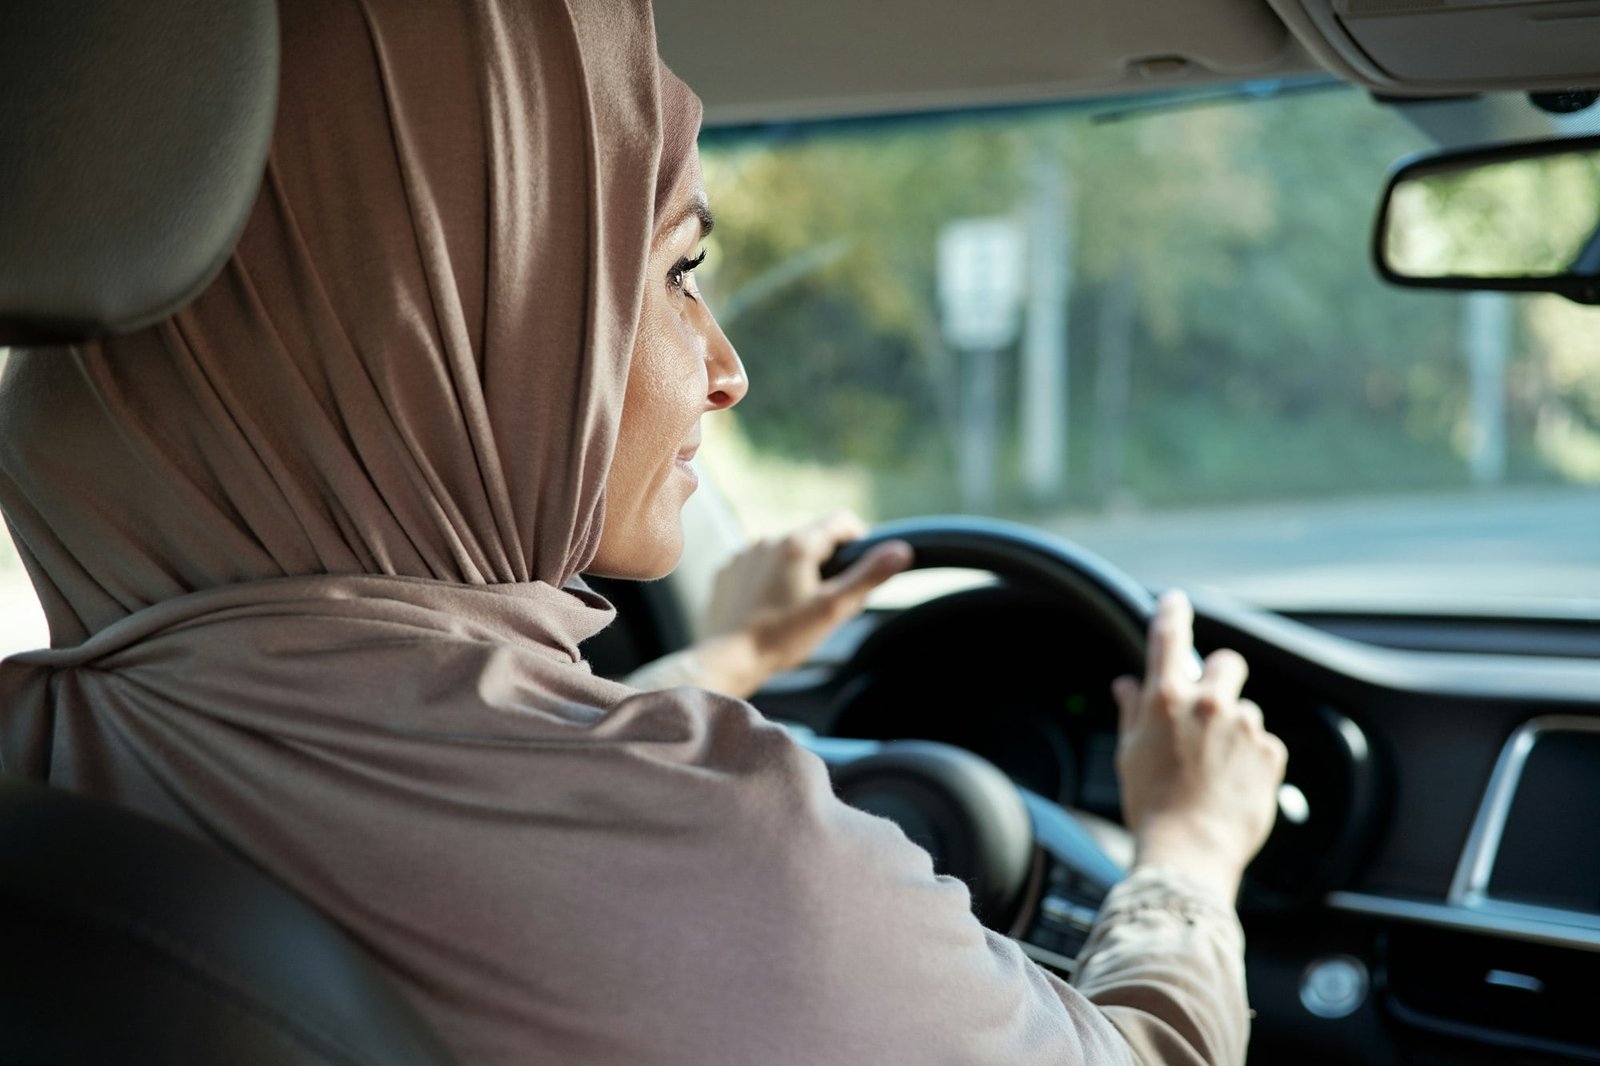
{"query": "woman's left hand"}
[(771, 608)]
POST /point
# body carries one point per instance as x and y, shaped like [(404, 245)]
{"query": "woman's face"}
[(683, 366)]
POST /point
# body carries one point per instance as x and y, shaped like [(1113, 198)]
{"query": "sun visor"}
[(1427, 47), (834, 58)]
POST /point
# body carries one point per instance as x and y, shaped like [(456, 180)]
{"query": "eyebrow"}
[(698, 209)]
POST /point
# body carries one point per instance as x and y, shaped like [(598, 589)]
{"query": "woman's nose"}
[(724, 372)]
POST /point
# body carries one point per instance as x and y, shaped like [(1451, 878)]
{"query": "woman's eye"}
[(678, 277)]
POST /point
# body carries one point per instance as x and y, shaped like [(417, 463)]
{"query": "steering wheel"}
[(1035, 870), (1023, 555)]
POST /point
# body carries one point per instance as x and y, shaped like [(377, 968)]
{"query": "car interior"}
[(1431, 893)]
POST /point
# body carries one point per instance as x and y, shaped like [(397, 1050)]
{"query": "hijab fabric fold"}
[(414, 363), (309, 554)]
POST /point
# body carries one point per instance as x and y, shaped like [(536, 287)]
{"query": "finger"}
[(1280, 754), (1250, 713), (1225, 674), (816, 542), (1171, 637), (845, 525), (836, 528), (1228, 669), (890, 558), (1125, 690), (868, 572)]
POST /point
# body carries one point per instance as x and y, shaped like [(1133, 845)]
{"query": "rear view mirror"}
[(1519, 218)]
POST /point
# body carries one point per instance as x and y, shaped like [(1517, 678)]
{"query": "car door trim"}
[(1541, 925)]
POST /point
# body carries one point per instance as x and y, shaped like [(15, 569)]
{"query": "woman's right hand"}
[(1199, 771)]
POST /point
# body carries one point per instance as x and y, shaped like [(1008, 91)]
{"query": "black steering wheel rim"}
[(1106, 597), (1025, 556)]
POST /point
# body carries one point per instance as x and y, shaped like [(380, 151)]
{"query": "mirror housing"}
[(1522, 217)]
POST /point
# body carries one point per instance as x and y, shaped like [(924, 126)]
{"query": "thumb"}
[(848, 591)]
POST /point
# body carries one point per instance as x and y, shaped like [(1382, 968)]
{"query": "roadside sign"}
[(981, 282)]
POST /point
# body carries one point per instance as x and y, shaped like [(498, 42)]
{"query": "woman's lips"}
[(684, 462)]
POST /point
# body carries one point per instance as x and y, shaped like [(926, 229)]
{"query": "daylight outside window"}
[(1207, 384), (22, 624), (1197, 375)]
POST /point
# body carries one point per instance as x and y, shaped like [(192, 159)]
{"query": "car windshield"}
[(1153, 325)]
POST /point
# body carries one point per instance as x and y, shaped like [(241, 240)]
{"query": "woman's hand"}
[(1199, 771), (770, 608)]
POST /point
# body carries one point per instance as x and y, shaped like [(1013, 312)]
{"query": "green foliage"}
[(1264, 357), (1522, 218)]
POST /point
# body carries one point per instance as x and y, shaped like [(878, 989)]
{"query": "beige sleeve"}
[(678, 669), (1165, 963)]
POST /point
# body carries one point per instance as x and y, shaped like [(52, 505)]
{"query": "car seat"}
[(133, 138)]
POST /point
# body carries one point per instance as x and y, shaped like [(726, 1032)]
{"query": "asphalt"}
[(1500, 550)]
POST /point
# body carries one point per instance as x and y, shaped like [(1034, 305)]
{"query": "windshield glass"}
[(1153, 327)]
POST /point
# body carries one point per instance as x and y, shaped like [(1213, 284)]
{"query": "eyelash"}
[(679, 274)]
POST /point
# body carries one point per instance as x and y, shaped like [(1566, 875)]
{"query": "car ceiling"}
[(756, 62), (832, 58)]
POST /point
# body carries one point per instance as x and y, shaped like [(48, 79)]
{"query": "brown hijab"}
[(309, 551), (414, 363)]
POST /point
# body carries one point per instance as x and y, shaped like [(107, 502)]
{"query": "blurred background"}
[(1192, 366)]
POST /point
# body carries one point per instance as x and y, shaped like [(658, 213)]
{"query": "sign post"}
[(980, 296)]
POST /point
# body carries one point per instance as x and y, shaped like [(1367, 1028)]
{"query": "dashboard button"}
[(1334, 986)]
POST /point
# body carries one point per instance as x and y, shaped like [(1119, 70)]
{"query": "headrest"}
[(133, 137)]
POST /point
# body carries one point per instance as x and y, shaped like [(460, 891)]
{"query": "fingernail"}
[(898, 553)]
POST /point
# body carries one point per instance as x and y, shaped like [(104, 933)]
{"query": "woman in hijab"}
[(309, 553)]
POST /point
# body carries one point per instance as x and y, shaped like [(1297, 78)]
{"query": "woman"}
[(309, 551)]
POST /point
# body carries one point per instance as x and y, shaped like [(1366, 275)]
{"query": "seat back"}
[(126, 941), (133, 138)]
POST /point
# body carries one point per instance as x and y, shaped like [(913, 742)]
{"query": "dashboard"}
[(1440, 901)]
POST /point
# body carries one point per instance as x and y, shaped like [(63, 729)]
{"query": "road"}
[(1533, 548)]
